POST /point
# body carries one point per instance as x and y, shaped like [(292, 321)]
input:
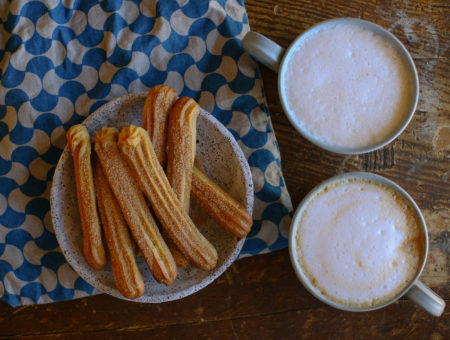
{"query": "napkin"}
[(60, 61)]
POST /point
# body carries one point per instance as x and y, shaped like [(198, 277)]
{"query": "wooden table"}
[(260, 297)]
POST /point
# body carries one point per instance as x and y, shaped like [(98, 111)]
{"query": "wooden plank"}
[(397, 322)]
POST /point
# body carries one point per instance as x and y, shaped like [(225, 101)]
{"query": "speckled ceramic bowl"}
[(220, 157)]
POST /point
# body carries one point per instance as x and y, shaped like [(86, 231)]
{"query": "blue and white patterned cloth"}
[(61, 60)]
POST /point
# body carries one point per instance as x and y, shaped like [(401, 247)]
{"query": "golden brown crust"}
[(134, 207), (137, 149), (223, 208), (178, 256), (181, 147), (157, 105), (79, 144), (126, 273)]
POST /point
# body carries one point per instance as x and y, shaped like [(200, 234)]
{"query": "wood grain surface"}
[(260, 297)]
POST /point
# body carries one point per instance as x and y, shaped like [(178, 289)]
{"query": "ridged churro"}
[(178, 256), (79, 144), (136, 147), (181, 135), (223, 208), (157, 105), (121, 250), (134, 207), (155, 114), (181, 147)]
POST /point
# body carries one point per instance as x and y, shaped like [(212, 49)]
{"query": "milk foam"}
[(359, 243), (347, 86)]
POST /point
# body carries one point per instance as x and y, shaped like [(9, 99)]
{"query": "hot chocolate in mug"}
[(347, 85), (359, 242)]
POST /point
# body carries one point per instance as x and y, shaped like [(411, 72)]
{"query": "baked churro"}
[(181, 172), (155, 117), (79, 144), (157, 105), (178, 256), (134, 207), (121, 250), (181, 147), (223, 208), (134, 142)]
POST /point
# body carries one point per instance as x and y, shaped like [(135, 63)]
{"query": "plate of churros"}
[(152, 197)]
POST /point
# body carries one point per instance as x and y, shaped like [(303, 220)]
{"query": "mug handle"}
[(263, 50), (426, 299)]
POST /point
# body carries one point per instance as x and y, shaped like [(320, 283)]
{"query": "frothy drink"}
[(346, 86), (359, 242)]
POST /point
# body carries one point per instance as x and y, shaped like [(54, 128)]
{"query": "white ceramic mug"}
[(276, 58), (415, 290)]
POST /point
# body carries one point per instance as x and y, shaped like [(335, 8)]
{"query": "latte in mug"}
[(359, 242), (347, 88)]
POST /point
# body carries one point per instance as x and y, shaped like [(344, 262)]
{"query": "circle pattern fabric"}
[(60, 61)]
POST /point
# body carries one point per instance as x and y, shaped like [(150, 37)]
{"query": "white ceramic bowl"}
[(221, 158)]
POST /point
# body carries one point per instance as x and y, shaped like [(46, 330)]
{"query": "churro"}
[(178, 256), (79, 144), (134, 207), (181, 147), (136, 147), (181, 172), (121, 250), (157, 105), (223, 208)]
